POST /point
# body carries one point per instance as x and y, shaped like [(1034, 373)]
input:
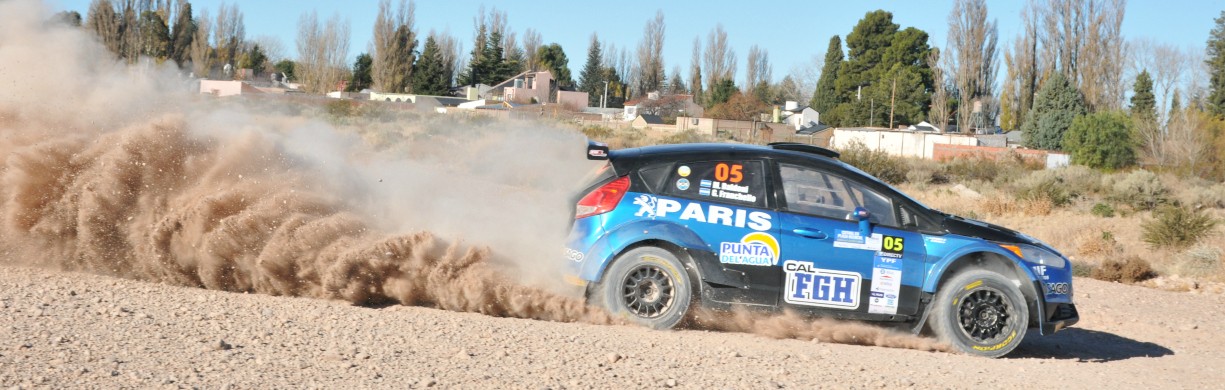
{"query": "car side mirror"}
[(865, 221)]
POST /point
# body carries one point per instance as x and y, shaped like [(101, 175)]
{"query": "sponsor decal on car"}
[(886, 284), (1041, 271), (655, 207), (573, 255), (756, 248), (1059, 288), (851, 239), (682, 184), (683, 171), (811, 286)]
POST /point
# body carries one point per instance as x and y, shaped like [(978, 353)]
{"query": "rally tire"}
[(980, 313), (647, 286)]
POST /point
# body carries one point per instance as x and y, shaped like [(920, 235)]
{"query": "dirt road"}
[(79, 330)]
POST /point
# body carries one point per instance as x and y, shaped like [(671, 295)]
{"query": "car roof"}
[(633, 158)]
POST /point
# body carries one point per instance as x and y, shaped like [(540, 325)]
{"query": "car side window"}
[(814, 192), (732, 181)]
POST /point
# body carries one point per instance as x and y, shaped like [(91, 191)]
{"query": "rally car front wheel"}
[(981, 313), (647, 286)]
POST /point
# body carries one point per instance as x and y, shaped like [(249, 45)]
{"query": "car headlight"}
[(1037, 255)]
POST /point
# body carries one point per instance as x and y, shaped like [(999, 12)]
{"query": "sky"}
[(794, 32)]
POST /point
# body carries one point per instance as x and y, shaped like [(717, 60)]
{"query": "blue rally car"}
[(790, 227)]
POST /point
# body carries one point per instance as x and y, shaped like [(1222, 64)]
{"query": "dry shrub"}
[(924, 171), (1130, 270), (1094, 243), (965, 169), (685, 137), (597, 132), (1140, 189), (877, 163), (1037, 207), (1200, 261), (1177, 227), (1080, 180), (999, 205), (1201, 194)]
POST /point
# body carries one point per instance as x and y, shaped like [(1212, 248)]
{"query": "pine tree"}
[(1143, 103), (1058, 103), (553, 59), (722, 92), (361, 77), (428, 75), (591, 80), (154, 36), (874, 47), (181, 35), (826, 96), (1216, 68), (476, 70)]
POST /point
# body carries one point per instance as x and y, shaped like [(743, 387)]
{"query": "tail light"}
[(602, 199)]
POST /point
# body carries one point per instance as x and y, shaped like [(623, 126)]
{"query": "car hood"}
[(991, 232)]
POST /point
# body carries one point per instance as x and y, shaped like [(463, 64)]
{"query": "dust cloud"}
[(123, 170), (790, 325), (120, 170)]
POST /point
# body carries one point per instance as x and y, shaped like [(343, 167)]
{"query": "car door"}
[(726, 203), (832, 263)]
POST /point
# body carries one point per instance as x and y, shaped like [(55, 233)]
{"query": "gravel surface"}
[(71, 330)]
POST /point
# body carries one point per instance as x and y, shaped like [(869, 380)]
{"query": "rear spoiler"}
[(597, 150)]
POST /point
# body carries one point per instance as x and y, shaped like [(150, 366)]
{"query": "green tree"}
[(591, 79), (285, 67), (429, 76), (866, 45), (361, 77), (67, 18), (254, 59), (826, 95), (1058, 103), (618, 90), (488, 65), (874, 47), (1143, 102), (552, 58), (1102, 140), (721, 92), (181, 34), (154, 36), (1216, 68)]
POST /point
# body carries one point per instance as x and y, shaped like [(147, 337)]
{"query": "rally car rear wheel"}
[(981, 313), (647, 286)]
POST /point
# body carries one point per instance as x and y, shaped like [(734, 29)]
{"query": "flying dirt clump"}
[(790, 325)]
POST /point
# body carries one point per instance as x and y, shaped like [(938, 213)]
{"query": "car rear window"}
[(730, 181)]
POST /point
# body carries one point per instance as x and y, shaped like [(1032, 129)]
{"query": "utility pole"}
[(892, 99), (871, 110), (604, 101)]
